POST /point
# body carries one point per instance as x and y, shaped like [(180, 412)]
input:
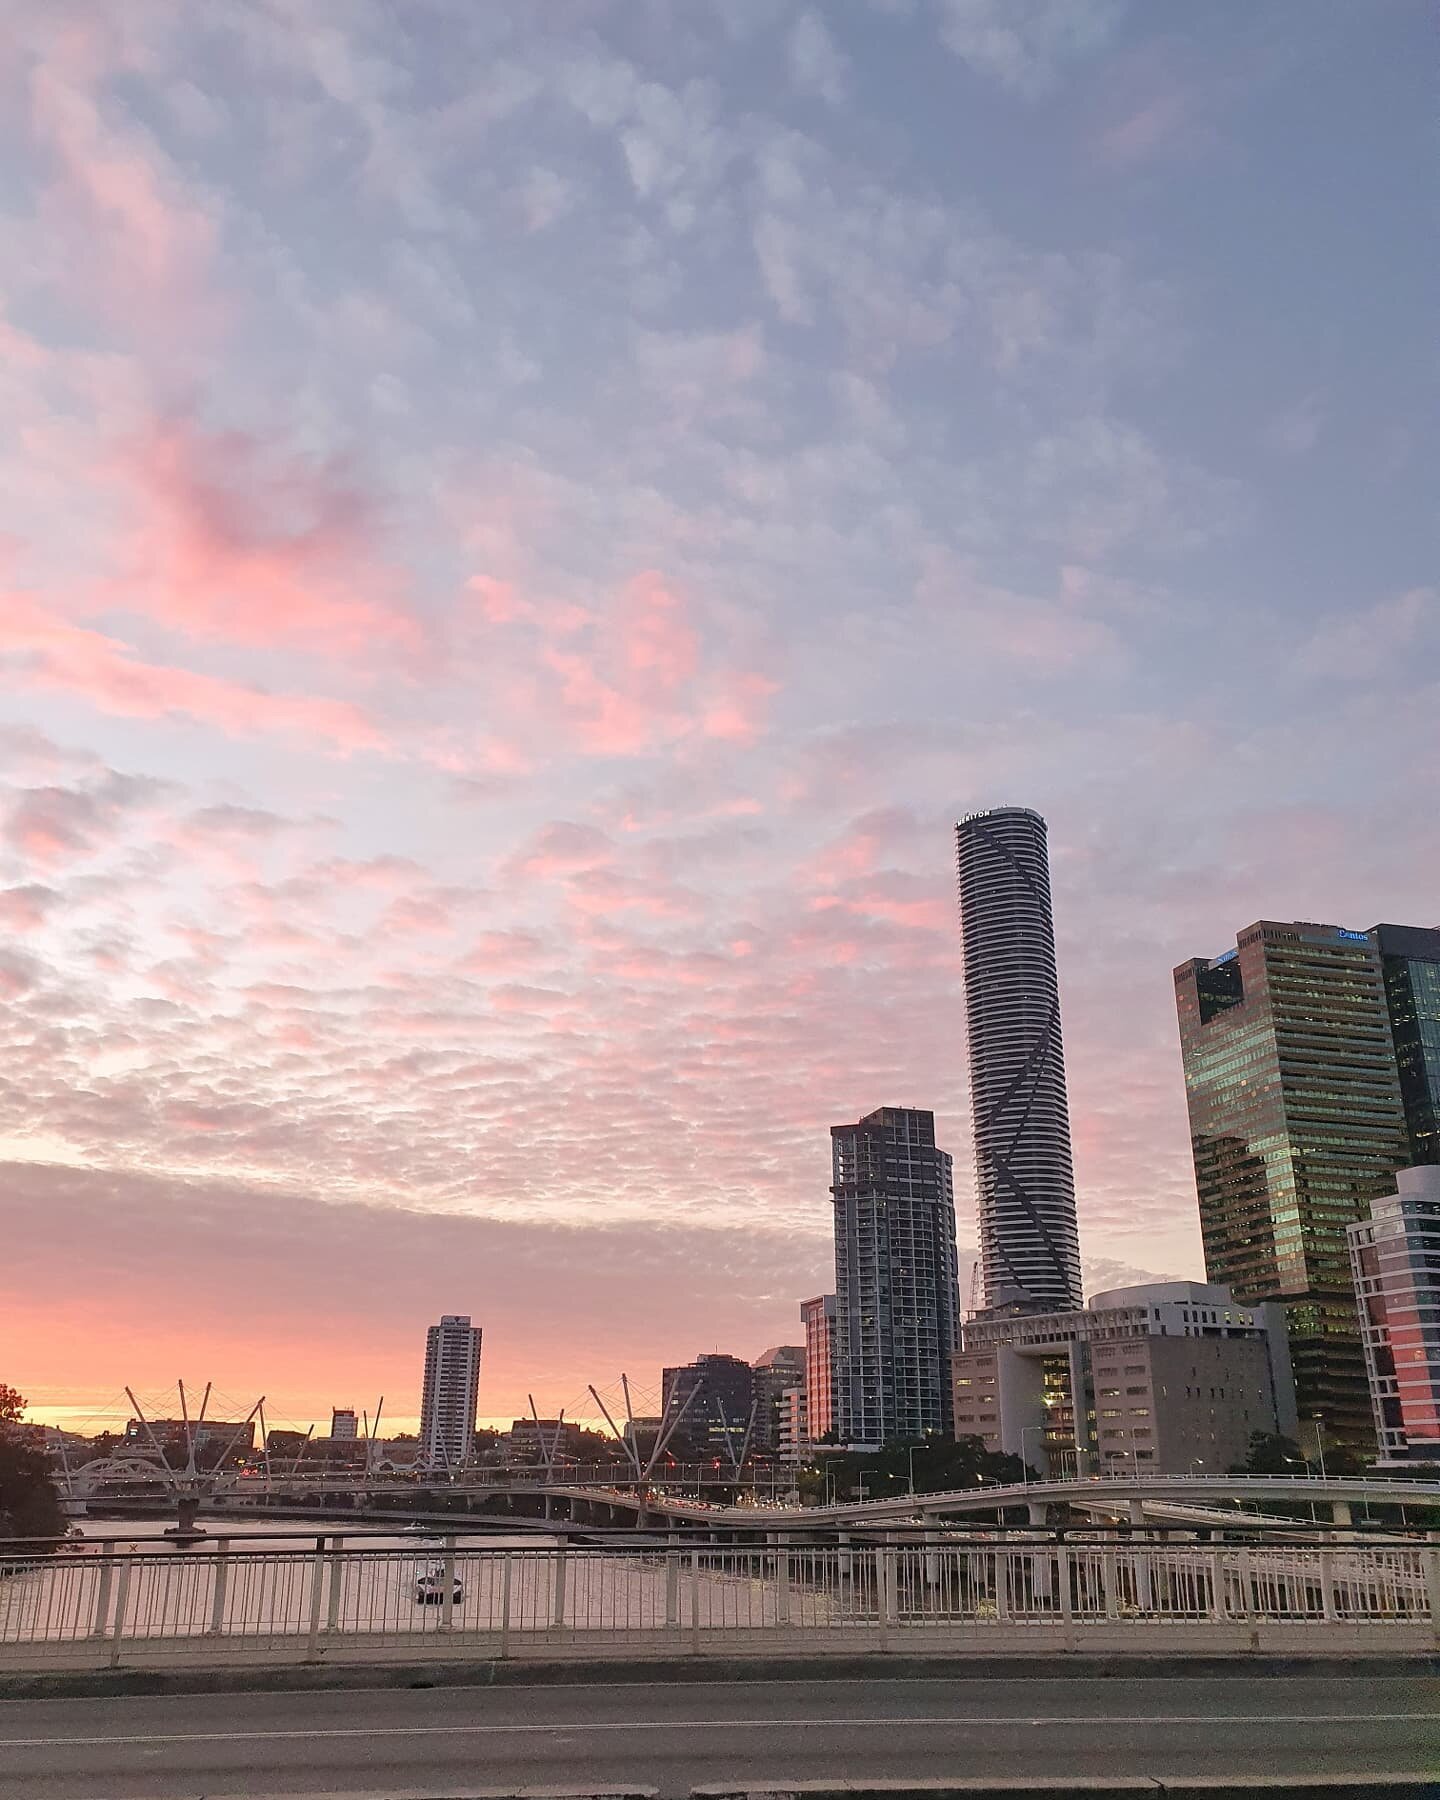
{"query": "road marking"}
[(1128, 1721)]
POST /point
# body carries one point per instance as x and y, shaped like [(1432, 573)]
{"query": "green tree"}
[(29, 1501), (1267, 1453)]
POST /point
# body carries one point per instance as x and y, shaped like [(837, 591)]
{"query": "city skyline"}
[(521, 535)]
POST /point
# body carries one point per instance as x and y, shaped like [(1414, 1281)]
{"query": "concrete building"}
[(1395, 1256), (451, 1395), (343, 1422), (897, 1304), (1170, 1378), (1297, 1124), (1029, 1238), (772, 1374), (818, 1318), (716, 1422), (794, 1433)]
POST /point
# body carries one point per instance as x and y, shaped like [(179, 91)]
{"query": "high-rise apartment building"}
[(1410, 957), (818, 1318), (897, 1304), (1395, 1256), (1297, 1125), (343, 1424), (451, 1394), (1029, 1239)]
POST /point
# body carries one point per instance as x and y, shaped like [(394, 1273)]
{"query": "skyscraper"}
[(897, 1305), (1410, 957), (818, 1316), (452, 1392), (1296, 1125), (1395, 1257), (1029, 1239)]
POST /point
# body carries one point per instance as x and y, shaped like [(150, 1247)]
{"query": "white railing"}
[(228, 1601)]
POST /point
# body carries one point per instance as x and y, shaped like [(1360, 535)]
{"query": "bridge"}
[(1196, 1499)]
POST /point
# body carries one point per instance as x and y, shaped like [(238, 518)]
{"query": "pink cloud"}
[(39, 649), (117, 209), (237, 542)]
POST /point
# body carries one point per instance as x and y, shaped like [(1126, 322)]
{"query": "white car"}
[(430, 1585)]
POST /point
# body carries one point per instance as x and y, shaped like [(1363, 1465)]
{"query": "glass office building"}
[(1297, 1124), (1410, 957)]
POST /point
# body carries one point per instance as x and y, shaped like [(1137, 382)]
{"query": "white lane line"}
[(1091, 1720)]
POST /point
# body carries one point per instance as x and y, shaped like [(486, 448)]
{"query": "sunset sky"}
[(522, 524)]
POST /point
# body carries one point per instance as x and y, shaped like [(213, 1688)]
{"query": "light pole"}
[(1320, 1444), (910, 1456), (1196, 1462), (1025, 1431)]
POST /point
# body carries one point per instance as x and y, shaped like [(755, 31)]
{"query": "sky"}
[(523, 524)]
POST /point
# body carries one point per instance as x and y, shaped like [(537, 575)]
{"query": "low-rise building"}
[(1395, 1256), (1172, 1378), (533, 1442)]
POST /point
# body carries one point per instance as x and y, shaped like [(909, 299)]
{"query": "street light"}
[(1196, 1462), (1025, 1431), (1320, 1443)]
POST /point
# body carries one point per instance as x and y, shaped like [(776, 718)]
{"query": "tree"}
[(1267, 1453), (29, 1502)]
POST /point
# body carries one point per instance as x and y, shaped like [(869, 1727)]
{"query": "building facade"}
[(818, 1318), (1410, 958), (1029, 1238), (718, 1421), (1395, 1256), (451, 1394), (343, 1423), (1297, 1124), (897, 1304), (773, 1374), (794, 1435), (1170, 1378)]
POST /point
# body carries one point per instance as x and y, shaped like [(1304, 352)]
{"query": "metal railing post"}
[(695, 1602), (101, 1619), (781, 1541), (505, 1568), (337, 1572), (1327, 1583), (120, 1601), (220, 1587), (447, 1595), (672, 1580), (317, 1582), (1432, 1581), (557, 1597), (887, 1591)]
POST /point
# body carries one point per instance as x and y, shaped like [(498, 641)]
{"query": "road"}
[(672, 1735)]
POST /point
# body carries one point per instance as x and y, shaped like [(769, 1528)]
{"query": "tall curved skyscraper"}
[(1029, 1240)]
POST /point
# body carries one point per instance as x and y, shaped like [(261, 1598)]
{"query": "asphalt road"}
[(454, 1740)]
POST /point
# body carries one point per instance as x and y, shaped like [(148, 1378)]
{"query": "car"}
[(430, 1585)]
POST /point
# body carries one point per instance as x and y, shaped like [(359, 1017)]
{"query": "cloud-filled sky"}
[(521, 526)]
